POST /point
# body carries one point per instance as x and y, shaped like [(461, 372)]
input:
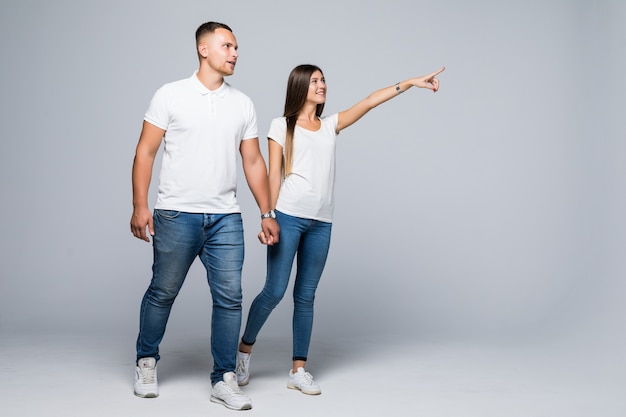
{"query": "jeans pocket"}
[(167, 214)]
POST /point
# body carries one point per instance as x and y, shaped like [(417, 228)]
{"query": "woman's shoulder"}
[(277, 129), (278, 123), (330, 120)]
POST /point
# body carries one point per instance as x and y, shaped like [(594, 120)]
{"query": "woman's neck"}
[(308, 113)]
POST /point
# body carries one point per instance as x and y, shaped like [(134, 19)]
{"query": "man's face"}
[(219, 49)]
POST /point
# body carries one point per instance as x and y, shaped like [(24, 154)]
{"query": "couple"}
[(204, 122)]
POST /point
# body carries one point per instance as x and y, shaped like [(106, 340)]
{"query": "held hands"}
[(269, 231), (428, 81)]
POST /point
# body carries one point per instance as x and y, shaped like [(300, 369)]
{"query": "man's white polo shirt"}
[(203, 132)]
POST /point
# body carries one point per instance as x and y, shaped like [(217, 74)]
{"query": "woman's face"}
[(317, 88)]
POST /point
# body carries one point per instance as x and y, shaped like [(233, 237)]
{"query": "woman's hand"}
[(428, 81)]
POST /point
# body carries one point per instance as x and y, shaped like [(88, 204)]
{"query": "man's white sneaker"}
[(228, 393), (243, 368), (146, 385), (303, 381)]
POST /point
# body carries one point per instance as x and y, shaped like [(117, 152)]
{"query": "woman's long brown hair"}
[(297, 89)]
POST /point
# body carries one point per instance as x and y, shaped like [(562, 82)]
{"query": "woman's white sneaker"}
[(304, 382), (243, 368)]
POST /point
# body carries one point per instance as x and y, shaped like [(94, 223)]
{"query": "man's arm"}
[(147, 148), (256, 175), (275, 176)]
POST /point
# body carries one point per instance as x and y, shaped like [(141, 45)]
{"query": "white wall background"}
[(492, 210)]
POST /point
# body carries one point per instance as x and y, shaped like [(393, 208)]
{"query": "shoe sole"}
[(290, 386), (244, 382), (147, 395), (225, 404)]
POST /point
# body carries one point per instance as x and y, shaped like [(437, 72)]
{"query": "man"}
[(203, 122)]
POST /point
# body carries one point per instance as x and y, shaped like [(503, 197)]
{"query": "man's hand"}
[(138, 222), (270, 231)]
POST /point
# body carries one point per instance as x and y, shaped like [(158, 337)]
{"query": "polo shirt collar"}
[(220, 92)]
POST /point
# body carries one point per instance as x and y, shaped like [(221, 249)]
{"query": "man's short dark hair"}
[(209, 27)]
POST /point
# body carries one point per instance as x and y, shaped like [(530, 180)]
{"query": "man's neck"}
[(210, 79)]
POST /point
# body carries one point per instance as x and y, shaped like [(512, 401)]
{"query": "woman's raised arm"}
[(354, 113)]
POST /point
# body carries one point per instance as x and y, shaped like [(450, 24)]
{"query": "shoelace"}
[(148, 376), (241, 366), (233, 388), (308, 378)]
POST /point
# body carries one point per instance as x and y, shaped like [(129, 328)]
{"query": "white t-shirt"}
[(308, 192), (203, 132)]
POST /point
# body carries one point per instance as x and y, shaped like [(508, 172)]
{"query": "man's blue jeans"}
[(217, 239), (310, 239)]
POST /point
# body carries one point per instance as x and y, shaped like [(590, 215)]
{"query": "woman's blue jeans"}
[(310, 239), (217, 239)]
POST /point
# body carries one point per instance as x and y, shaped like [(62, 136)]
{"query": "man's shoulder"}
[(237, 93), (174, 85)]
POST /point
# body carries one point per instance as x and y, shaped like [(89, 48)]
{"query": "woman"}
[(301, 176)]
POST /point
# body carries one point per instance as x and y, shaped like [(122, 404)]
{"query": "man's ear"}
[(202, 50)]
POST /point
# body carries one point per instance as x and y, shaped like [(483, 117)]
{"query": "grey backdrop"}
[(493, 210)]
